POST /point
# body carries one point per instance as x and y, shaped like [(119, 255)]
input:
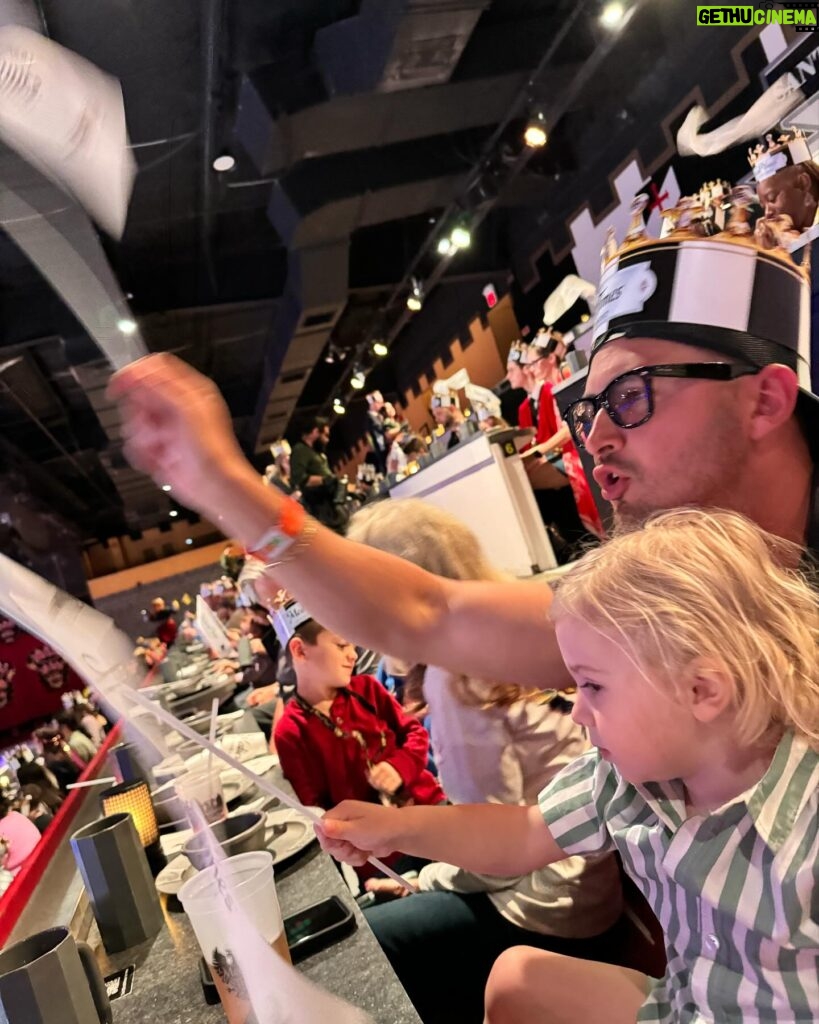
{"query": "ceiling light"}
[(338, 407), (612, 15), (415, 299), (379, 348), (358, 380), (189, 540), (224, 162), (461, 237), (584, 318), (166, 487), (444, 247), (173, 513), (330, 357), (126, 326), (535, 135)]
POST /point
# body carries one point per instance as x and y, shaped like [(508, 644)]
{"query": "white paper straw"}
[(265, 785), (91, 782)]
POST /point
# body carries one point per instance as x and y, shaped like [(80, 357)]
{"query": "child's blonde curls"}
[(709, 584)]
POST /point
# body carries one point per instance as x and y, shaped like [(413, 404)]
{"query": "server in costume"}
[(540, 411)]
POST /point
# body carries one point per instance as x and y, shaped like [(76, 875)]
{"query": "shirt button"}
[(712, 942)]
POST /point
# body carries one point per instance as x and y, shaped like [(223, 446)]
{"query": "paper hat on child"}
[(790, 147), (288, 619), (518, 353), (443, 402), (724, 292)]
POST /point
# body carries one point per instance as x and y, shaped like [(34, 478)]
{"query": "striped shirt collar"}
[(774, 803), (779, 797)]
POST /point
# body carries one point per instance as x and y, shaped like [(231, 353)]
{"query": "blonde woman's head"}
[(699, 605), (424, 535), (438, 542)]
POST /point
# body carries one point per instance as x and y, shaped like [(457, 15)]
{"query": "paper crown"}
[(280, 448), (543, 344), (726, 292), (518, 353), (788, 148), (288, 619)]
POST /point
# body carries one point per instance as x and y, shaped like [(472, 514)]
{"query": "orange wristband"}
[(273, 544)]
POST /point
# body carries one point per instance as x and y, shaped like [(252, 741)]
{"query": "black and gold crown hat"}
[(726, 292)]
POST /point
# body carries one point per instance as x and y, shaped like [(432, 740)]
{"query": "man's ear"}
[(707, 688), (776, 391), (803, 181), (296, 648)]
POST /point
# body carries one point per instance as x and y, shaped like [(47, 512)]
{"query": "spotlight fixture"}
[(379, 348), (444, 246), (189, 541), (461, 237), (126, 326), (415, 299), (173, 513), (612, 15), (358, 380), (535, 135), (330, 357), (338, 407), (224, 162), (166, 487)]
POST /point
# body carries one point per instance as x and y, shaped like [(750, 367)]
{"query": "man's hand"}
[(353, 831), (385, 778), (178, 429)]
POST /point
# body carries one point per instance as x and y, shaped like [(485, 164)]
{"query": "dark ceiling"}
[(356, 125)]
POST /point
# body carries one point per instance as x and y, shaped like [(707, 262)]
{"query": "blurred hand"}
[(177, 428), (389, 887), (385, 778), (354, 831), (262, 694)]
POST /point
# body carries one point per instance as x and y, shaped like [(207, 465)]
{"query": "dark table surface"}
[(166, 987)]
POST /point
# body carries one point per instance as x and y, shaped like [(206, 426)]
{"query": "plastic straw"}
[(265, 785), (91, 782), (214, 712)]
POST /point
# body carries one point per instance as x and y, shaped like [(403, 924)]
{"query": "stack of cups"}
[(242, 884)]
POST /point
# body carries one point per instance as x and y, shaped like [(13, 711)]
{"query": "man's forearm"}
[(490, 630)]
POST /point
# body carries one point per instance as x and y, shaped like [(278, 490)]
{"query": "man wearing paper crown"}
[(698, 390), (697, 393)]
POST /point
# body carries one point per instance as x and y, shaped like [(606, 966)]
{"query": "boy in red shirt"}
[(342, 736)]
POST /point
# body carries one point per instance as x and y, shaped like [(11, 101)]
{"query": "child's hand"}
[(354, 831), (384, 778)]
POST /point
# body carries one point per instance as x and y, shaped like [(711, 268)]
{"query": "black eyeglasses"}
[(629, 398)]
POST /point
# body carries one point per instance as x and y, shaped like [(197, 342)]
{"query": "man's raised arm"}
[(178, 428)]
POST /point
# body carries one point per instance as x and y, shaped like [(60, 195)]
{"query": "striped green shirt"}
[(735, 890)]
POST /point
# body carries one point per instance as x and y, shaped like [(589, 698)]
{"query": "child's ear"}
[(708, 688), (296, 648)]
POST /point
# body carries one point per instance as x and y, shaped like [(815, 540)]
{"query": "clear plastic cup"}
[(242, 885), (202, 789)]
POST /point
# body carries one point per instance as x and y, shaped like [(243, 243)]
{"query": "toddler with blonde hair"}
[(693, 643)]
